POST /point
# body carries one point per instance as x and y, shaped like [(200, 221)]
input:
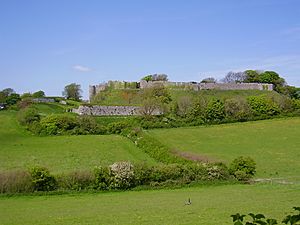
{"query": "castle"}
[(95, 89)]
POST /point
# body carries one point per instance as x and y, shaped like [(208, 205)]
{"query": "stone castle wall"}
[(95, 89)]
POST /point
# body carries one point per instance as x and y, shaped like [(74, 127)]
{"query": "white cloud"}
[(81, 68)]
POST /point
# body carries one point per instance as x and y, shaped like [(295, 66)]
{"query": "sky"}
[(45, 45)]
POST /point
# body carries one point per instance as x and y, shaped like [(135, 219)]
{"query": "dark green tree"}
[(72, 91), (38, 94)]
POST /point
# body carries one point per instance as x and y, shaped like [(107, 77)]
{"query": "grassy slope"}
[(114, 97), (274, 144), (60, 153), (211, 205)]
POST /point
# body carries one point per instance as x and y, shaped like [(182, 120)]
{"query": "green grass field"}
[(274, 144), (211, 205), (20, 149)]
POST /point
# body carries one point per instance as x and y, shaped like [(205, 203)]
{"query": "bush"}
[(242, 168), (215, 111), (89, 125), (217, 171), (260, 105), (77, 180), (122, 174), (117, 127), (237, 109), (102, 178), (15, 182), (56, 124), (142, 174), (42, 180), (28, 116)]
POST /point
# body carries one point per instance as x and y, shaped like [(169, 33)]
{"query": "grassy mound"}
[(20, 149), (273, 144)]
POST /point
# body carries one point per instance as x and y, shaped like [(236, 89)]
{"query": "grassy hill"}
[(20, 149), (274, 144), (117, 97)]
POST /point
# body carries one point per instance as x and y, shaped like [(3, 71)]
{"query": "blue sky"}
[(45, 45)]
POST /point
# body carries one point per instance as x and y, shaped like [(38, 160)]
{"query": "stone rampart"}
[(108, 110)]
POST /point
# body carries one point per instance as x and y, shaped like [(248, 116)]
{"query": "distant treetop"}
[(156, 77)]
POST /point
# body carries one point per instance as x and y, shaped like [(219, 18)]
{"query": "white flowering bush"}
[(122, 174)]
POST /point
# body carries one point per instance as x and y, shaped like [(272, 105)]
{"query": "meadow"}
[(20, 149), (273, 144), (211, 205)]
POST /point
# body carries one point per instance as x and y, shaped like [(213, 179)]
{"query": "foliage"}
[(209, 80), (215, 111), (237, 109), (155, 98), (260, 105), (13, 99), (76, 180), (234, 77), (184, 106), (89, 125), (72, 91), (269, 77), (102, 178), (122, 174), (38, 94), (156, 77), (15, 182), (42, 180), (56, 124), (26, 95), (28, 115), (243, 168), (292, 219), (24, 103)]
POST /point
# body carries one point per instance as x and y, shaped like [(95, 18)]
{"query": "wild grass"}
[(19, 149), (273, 144)]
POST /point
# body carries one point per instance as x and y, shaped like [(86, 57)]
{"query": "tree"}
[(72, 91), (8, 91), (26, 95), (272, 77), (156, 77), (234, 77), (209, 80), (13, 99), (38, 94), (252, 76), (156, 97)]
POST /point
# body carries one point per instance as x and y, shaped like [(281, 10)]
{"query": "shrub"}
[(117, 127), (15, 182), (142, 174), (102, 178), (217, 171), (24, 103), (27, 116), (260, 105), (42, 180), (215, 111), (242, 168), (77, 180), (237, 109), (58, 124), (122, 174), (89, 125), (167, 172)]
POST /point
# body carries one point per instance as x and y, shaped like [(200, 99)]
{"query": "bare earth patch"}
[(193, 156)]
